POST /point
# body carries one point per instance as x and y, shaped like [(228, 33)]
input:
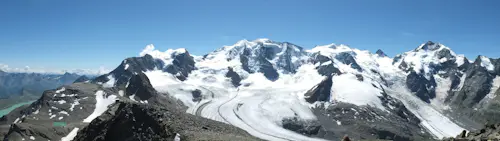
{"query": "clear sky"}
[(66, 34)]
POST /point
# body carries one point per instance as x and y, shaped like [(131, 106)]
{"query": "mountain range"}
[(264, 89), (21, 87)]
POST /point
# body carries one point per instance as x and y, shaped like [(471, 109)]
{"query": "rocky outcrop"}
[(267, 69), (140, 87), (267, 57), (181, 66), (130, 67), (380, 53), (430, 46), (348, 59), (286, 60), (328, 70), (326, 65), (496, 63), (320, 92), (476, 86), (261, 64), (303, 127), (132, 121), (421, 86), (235, 78)]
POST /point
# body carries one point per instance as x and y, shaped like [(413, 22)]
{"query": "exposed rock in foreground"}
[(489, 132), (132, 121)]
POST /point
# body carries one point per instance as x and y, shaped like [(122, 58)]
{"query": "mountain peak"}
[(429, 45), (484, 62), (381, 53)]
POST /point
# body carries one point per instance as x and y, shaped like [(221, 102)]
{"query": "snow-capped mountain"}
[(281, 91)]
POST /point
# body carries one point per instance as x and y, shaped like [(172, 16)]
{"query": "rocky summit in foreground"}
[(268, 90), (133, 121), (490, 132)]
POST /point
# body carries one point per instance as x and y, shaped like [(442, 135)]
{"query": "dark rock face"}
[(431, 46), (286, 61), (235, 78), (286, 57), (197, 95), (365, 123), (445, 53), (325, 70), (181, 66), (404, 66), (320, 92), (82, 78), (269, 71), (140, 86), (328, 70), (261, 62), (476, 86), (380, 53), (424, 89), (133, 66), (465, 66), (347, 58), (131, 121), (244, 60), (307, 128), (496, 63)]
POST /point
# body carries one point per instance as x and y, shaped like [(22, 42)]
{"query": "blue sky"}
[(89, 34)]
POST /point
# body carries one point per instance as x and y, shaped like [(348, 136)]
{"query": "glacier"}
[(260, 103)]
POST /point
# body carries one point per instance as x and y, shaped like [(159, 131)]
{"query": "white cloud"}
[(28, 69), (147, 50)]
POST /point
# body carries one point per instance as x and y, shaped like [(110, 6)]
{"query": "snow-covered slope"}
[(258, 85)]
